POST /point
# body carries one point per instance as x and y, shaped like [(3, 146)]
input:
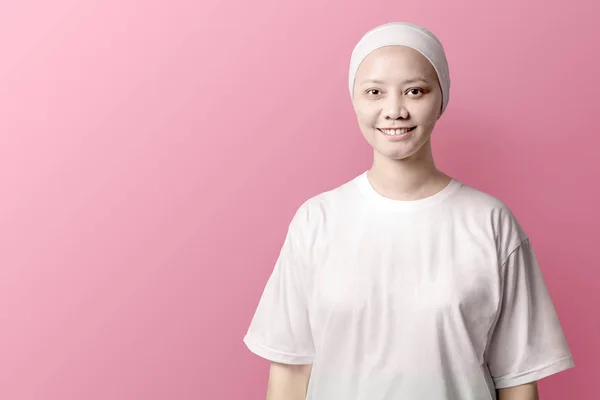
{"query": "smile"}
[(394, 132)]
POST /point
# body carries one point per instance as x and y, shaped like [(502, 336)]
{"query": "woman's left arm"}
[(528, 391)]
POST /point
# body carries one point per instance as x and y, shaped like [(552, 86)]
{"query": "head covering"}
[(409, 35)]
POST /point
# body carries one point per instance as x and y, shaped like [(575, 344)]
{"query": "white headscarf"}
[(409, 35)]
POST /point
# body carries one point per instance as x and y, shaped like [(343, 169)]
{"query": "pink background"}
[(152, 154)]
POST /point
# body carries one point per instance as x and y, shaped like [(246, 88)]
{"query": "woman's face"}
[(397, 87)]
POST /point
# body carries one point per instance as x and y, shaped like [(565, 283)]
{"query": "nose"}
[(395, 109)]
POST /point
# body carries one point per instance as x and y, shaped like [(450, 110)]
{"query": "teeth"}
[(394, 131)]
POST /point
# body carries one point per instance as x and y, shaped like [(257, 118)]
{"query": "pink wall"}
[(153, 152)]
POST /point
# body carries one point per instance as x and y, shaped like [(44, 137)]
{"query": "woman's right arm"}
[(288, 382)]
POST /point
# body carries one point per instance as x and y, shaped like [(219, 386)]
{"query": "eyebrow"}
[(411, 80)]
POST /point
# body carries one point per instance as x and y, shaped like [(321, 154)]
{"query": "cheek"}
[(366, 116), (425, 114)]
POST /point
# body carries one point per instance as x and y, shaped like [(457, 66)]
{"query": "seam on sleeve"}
[(510, 253), (260, 349), (494, 323), (500, 300), (535, 373)]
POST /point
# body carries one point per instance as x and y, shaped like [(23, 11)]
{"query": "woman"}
[(404, 283)]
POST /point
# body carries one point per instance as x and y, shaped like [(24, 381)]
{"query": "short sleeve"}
[(280, 329), (527, 342)]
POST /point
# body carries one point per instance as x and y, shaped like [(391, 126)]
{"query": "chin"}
[(400, 154), (399, 157)]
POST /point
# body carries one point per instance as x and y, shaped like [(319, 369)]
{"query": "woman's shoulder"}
[(323, 208), (336, 194), (477, 197), (492, 211), (481, 201)]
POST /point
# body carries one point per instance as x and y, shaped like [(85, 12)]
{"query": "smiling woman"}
[(405, 283), (391, 81)]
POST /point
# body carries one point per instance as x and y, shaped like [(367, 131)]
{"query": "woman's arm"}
[(528, 391), (288, 382)]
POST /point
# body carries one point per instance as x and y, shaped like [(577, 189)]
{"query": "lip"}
[(398, 127), (397, 137)]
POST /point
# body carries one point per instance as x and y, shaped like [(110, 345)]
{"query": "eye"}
[(373, 92), (415, 92)]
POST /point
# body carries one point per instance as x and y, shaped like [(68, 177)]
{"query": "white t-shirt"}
[(440, 298)]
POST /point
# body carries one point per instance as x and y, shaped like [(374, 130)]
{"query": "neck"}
[(412, 178)]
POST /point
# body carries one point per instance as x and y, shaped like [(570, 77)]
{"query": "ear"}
[(441, 111)]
